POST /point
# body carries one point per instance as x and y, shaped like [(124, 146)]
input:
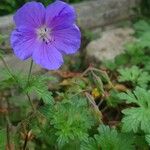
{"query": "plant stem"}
[(28, 82), (30, 101), (30, 70), (90, 69), (7, 68)]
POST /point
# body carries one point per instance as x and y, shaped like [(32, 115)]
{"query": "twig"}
[(30, 101), (101, 101), (91, 100), (100, 71), (25, 143)]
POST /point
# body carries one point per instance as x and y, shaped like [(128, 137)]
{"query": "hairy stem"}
[(30, 101), (7, 68), (90, 69), (30, 70), (28, 82)]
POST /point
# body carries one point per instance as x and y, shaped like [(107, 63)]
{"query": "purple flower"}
[(45, 34)]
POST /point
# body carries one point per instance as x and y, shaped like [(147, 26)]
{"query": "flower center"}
[(44, 34)]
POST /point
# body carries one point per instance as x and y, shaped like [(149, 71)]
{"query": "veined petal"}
[(67, 40), (48, 57), (32, 15), (60, 13), (23, 42)]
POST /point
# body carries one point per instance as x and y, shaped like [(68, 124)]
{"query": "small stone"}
[(109, 45)]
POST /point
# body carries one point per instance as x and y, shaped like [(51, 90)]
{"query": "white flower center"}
[(44, 34)]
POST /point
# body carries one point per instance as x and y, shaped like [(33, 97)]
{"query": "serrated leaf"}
[(137, 118), (38, 85), (2, 139), (141, 27), (147, 137), (91, 144), (71, 120), (135, 75), (110, 139)]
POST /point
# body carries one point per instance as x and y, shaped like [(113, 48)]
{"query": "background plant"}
[(10, 6)]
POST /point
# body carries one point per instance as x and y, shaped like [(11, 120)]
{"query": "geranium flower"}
[(45, 34)]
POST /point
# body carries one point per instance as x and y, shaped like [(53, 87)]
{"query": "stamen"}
[(44, 34)]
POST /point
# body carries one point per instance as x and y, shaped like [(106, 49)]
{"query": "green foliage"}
[(135, 75), (138, 117), (142, 28), (37, 85), (148, 139), (70, 119), (90, 144), (2, 139), (113, 99), (140, 142), (109, 139)]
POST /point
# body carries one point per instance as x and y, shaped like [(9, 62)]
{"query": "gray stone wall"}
[(91, 13), (104, 12)]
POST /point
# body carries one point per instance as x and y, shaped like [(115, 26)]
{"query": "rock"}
[(98, 13), (17, 65), (91, 14), (6, 24), (109, 45)]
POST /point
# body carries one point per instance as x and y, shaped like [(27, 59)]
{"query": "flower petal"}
[(60, 12), (67, 40), (23, 41), (32, 14), (48, 57)]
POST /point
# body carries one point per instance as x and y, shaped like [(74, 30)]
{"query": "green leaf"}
[(135, 75), (90, 144), (147, 137), (144, 40), (141, 27), (2, 139), (137, 118), (38, 85), (110, 139), (113, 99), (71, 119), (110, 64)]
